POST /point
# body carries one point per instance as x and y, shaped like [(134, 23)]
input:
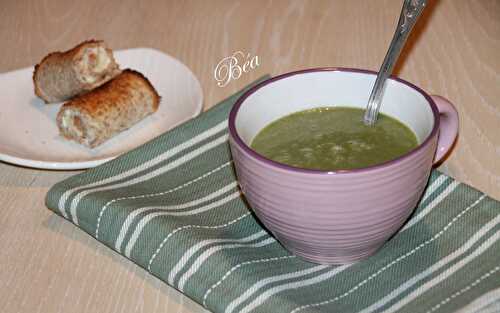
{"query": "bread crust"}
[(95, 117), (59, 76)]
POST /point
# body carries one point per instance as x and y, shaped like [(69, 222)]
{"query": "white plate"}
[(28, 130)]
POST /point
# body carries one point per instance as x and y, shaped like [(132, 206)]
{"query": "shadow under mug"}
[(339, 216)]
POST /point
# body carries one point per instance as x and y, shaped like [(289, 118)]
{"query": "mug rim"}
[(236, 137)]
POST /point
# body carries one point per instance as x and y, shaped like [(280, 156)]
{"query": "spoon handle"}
[(409, 14)]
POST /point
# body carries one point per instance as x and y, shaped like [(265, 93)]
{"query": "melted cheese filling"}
[(73, 127), (95, 60)]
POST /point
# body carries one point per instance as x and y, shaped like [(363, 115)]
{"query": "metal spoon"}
[(409, 14)]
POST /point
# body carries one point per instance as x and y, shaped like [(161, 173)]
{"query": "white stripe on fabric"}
[(269, 280), (192, 226), (402, 257), (181, 160), (145, 220), (452, 269), (130, 218), (292, 285), (436, 266), (149, 195), (431, 205), (483, 303), (465, 289), (158, 159), (200, 245), (493, 308), (234, 268), (434, 186), (206, 254)]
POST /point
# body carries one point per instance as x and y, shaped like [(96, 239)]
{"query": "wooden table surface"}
[(48, 265)]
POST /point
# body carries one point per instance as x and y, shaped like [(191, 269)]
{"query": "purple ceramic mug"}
[(338, 216)]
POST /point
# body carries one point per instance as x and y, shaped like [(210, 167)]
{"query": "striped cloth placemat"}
[(173, 206)]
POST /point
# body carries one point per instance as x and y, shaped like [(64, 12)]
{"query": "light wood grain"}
[(48, 265)]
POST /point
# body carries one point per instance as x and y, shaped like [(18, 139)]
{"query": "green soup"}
[(333, 138)]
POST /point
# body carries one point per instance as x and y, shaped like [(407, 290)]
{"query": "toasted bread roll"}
[(62, 75), (94, 117)]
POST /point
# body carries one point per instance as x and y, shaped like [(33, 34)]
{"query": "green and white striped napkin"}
[(173, 206)]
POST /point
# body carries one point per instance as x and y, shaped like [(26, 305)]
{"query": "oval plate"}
[(29, 135)]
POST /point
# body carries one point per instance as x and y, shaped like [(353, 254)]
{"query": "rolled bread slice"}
[(92, 118), (63, 75)]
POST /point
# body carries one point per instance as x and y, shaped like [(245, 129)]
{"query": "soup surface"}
[(333, 138)]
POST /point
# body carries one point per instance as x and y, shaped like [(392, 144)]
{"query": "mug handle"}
[(448, 127)]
